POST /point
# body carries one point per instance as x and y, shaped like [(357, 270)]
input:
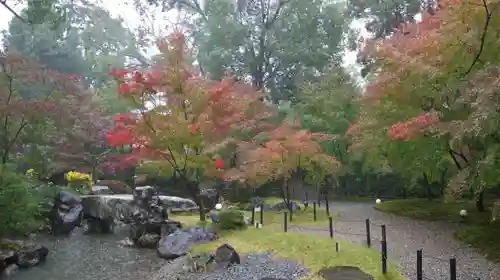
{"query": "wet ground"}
[(406, 236), (87, 257)]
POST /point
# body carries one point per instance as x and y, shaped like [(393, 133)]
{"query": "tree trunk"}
[(480, 202), (194, 191), (201, 209)]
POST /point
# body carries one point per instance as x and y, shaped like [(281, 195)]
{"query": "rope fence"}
[(367, 240)]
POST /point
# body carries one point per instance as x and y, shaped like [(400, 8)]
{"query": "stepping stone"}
[(344, 273)]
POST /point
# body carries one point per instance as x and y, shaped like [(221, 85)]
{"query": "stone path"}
[(405, 236)]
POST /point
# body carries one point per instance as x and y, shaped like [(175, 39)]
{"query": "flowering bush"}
[(81, 182)]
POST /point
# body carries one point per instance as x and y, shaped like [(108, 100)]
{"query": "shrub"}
[(231, 220), (19, 204), (81, 182)]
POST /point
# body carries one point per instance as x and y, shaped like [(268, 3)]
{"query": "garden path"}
[(404, 237)]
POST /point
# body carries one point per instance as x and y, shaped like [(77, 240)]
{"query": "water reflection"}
[(91, 257)]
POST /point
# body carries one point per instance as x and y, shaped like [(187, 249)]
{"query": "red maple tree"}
[(31, 97), (182, 120), (276, 155)]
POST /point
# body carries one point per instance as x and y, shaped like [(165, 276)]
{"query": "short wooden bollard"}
[(330, 224), (285, 221), (314, 212)]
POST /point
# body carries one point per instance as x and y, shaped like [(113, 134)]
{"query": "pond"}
[(91, 257)]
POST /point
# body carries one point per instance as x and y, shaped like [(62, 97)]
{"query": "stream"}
[(91, 257)]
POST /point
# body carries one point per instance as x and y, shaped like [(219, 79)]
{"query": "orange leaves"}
[(286, 149)]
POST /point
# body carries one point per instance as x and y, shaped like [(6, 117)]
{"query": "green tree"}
[(87, 43), (277, 44)]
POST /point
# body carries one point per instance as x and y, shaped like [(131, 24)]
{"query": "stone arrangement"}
[(226, 264), (18, 254)]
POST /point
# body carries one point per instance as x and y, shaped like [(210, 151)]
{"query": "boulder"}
[(93, 225), (175, 245), (100, 190), (116, 187), (148, 215), (179, 243), (226, 255), (20, 254), (66, 213), (282, 206), (8, 262), (201, 235), (148, 240), (344, 273), (31, 255)]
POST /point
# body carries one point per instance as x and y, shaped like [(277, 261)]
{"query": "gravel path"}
[(252, 267), (405, 236)]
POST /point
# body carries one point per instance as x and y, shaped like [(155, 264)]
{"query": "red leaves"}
[(118, 73), (129, 88), (195, 128), (219, 164), (413, 127), (120, 136)]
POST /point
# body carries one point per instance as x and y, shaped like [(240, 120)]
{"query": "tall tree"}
[(329, 106), (439, 86), (86, 43), (275, 44), (26, 116), (183, 120)]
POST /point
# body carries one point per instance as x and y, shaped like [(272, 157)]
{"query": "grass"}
[(480, 233), (311, 251), (434, 210), (303, 217)]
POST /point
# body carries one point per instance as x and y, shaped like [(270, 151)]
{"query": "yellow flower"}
[(31, 173), (74, 176)]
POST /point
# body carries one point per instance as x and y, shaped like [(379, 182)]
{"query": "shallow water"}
[(91, 257)]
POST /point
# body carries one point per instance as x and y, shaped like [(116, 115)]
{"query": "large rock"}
[(201, 235), (118, 206), (226, 255), (8, 262), (100, 190), (31, 255), (116, 187), (20, 254), (179, 243), (283, 206), (175, 245), (66, 213)]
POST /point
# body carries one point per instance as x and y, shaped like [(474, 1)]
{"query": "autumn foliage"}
[(182, 119), (279, 154), (416, 65)]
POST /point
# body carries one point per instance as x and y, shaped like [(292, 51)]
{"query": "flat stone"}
[(344, 273)]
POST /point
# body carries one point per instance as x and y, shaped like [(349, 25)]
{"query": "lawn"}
[(303, 217), (480, 234), (313, 252)]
